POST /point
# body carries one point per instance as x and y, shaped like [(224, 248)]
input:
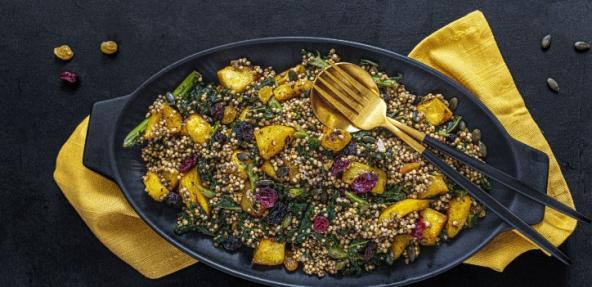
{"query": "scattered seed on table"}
[(546, 42), (582, 46), (553, 85), (63, 52), (109, 47)]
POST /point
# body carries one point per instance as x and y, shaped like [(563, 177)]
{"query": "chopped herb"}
[(388, 82), (360, 201), (368, 63), (187, 85)]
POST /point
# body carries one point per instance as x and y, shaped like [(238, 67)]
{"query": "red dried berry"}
[(188, 164), (320, 224), (419, 229), (266, 196), (339, 166), (369, 251), (69, 77), (364, 183)]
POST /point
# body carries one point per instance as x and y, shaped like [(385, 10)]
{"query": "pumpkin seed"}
[(483, 149), (264, 182), (462, 125), (476, 135), (292, 76), (546, 42), (369, 139), (411, 254), (170, 98), (453, 103), (552, 84), (582, 46), (282, 172), (242, 156)]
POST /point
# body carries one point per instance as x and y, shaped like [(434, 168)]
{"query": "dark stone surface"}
[(43, 241)]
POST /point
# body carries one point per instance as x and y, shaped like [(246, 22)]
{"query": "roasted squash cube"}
[(198, 129), (244, 114), (269, 253), (434, 221), (154, 186), (264, 94), (335, 139), (172, 119), (240, 165), (236, 79), (268, 169), (437, 186), (272, 139), (284, 76), (458, 212), (435, 111), (355, 169), (400, 242), (284, 92), (191, 182), (230, 114), (403, 208), (171, 177), (302, 86)]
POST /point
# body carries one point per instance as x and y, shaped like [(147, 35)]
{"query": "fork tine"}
[(345, 109), (352, 94), (336, 94), (353, 81)]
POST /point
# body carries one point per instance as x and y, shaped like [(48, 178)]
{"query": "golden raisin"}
[(63, 52), (109, 47), (290, 264)]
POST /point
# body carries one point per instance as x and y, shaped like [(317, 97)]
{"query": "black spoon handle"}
[(496, 207), (506, 179)]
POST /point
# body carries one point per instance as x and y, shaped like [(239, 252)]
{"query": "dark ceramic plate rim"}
[(116, 175)]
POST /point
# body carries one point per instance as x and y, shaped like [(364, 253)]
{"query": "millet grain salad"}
[(248, 163)]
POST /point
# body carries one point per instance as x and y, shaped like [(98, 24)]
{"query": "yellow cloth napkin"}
[(465, 50)]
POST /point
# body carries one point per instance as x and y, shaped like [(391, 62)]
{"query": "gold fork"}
[(366, 110)]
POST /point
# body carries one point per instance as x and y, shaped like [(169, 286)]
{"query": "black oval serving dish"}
[(112, 119)]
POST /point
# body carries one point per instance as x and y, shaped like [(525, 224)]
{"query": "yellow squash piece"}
[(198, 129), (302, 86), (172, 119), (269, 253), (437, 186), (356, 168), (435, 111), (230, 114), (171, 178), (435, 222), (335, 139), (192, 182), (458, 212), (154, 186), (272, 139), (268, 169), (406, 168), (236, 79), (264, 94), (153, 121), (248, 205), (400, 242), (284, 92), (244, 114), (404, 207)]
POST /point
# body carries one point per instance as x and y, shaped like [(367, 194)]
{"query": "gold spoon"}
[(345, 96)]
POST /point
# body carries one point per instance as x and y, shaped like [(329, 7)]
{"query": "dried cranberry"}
[(232, 243), (244, 132), (217, 111), (339, 166), (69, 77), (277, 214), (266, 196), (451, 138), (419, 229), (320, 224), (220, 137), (369, 251), (188, 164), (173, 199), (364, 182)]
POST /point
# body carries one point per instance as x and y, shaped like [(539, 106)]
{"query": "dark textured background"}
[(44, 242)]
